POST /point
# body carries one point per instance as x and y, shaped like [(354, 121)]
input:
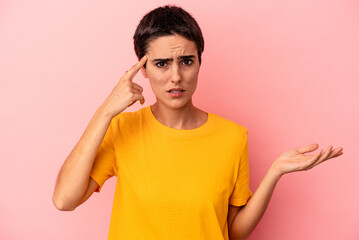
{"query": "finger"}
[(331, 154), (311, 160), (341, 153), (323, 156), (130, 74), (308, 148), (139, 97), (138, 87), (336, 152)]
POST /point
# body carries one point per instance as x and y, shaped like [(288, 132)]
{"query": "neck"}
[(187, 117)]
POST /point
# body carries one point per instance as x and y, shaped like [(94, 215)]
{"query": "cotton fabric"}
[(171, 183)]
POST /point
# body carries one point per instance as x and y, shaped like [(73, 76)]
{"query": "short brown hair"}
[(163, 21)]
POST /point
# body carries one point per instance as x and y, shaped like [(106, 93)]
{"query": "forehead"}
[(171, 45)]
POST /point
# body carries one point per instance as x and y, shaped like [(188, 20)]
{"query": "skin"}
[(74, 185), (173, 63), (242, 221)]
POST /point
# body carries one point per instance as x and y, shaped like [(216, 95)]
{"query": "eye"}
[(187, 62), (161, 64)]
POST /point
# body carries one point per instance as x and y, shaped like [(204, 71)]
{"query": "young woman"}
[(182, 173)]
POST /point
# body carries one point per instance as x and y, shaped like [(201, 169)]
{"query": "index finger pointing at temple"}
[(135, 68)]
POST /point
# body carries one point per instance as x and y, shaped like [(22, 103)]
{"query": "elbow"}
[(239, 238), (62, 205), (242, 237), (238, 235)]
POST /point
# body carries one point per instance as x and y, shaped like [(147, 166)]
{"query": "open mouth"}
[(175, 90)]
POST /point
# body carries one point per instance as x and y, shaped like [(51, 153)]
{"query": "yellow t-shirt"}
[(171, 183)]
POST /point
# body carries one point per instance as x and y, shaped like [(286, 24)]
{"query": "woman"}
[(182, 173)]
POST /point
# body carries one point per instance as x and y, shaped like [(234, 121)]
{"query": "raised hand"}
[(126, 92), (294, 159)]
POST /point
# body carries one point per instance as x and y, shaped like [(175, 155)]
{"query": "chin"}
[(175, 104)]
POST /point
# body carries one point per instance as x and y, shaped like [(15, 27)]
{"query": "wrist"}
[(102, 112), (275, 172)]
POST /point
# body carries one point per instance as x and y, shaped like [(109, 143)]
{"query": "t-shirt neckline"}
[(179, 133)]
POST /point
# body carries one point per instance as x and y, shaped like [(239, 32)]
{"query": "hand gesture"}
[(294, 159), (126, 92)]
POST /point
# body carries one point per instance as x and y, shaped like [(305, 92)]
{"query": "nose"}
[(176, 75)]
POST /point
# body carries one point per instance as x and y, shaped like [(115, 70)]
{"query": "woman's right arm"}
[(74, 185)]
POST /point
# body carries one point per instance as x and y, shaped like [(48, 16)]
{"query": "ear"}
[(144, 72)]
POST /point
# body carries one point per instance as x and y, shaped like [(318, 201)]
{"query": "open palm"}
[(294, 159)]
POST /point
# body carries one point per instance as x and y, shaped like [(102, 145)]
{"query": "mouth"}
[(176, 90)]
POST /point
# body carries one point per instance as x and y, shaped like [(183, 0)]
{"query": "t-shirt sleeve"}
[(241, 192), (104, 165)]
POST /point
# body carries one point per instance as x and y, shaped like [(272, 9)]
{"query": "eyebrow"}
[(171, 59)]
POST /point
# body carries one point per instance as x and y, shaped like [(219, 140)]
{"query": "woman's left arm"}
[(291, 160)]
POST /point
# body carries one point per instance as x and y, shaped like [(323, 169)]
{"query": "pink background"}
[(286, 70)]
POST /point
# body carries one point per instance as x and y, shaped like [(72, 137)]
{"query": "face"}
[(172, 69)]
